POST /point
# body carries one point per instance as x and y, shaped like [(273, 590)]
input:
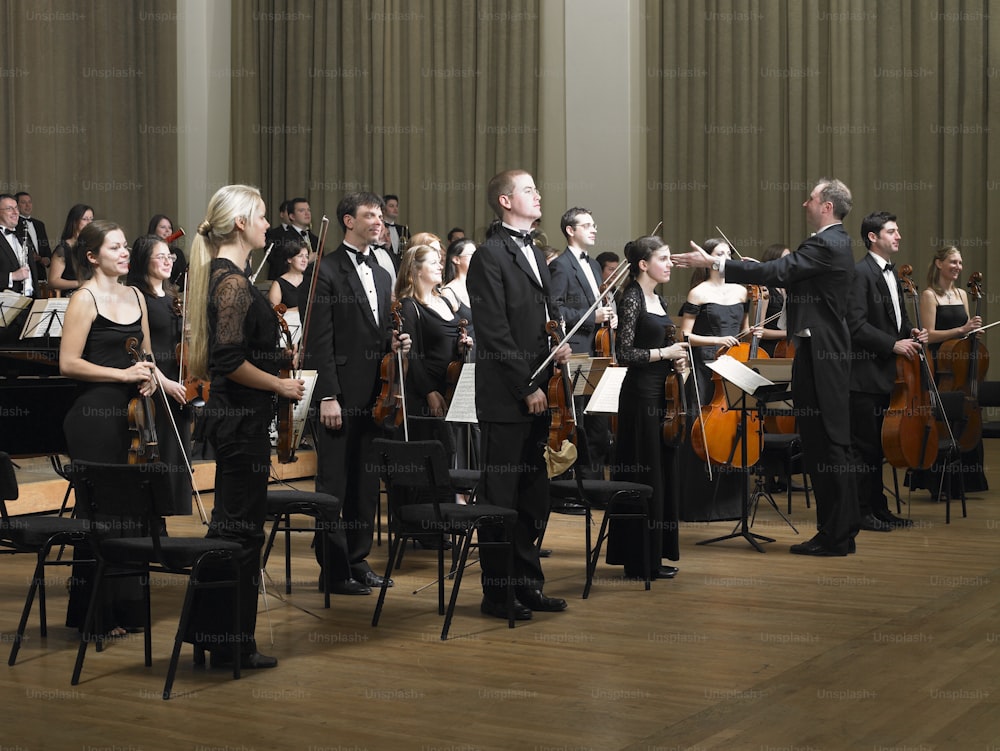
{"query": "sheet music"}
[(294, 323), (463, 403), (735, 372), (45, 318), (11, 305), (605, 398), (301, 409), (590, 370)]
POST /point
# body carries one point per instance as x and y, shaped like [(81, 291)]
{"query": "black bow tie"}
[(525, 237), (363, 258), (584, 256), (888, 267), (8, 231)]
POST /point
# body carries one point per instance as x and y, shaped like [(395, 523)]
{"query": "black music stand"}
[(745, 392), (45, 320)]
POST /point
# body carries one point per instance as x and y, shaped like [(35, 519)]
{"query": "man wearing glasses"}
[(15, 272)]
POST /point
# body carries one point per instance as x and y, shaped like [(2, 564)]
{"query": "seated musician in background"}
[(150, 269), (945, 313), (285, 289), (609, 262), (880, 332), (644, 346), (18, 271), (576, 285), (456, 271), (62, 274), (99, 322), (774, 329), (509, 285)]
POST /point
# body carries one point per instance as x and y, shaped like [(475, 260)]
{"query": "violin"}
[(390, 406), (145, 447), (675, 415), (455, 366), (910, 430), (961, 366), (562, 410), (717, 434), (286, 407)]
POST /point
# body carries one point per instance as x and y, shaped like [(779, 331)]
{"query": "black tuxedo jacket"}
[(509, 308), (873, 328), (817, 279), (572, 296), (281, 237), (9, 264), (345, 344)]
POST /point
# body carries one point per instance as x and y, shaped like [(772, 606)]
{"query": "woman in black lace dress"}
[(234, 343), (99, 320), (945, 313), (643, 345)]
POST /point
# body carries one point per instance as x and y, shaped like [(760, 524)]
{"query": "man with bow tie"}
[(17, 273), (297, 230), (33, 229), (399, 234), (350, 332), (576, 284), (880, 330)]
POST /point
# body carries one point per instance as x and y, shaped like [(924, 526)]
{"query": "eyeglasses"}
[(8, 208), (586, 225), (164, 257)]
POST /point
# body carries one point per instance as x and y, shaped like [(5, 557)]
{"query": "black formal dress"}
[(289, 292), (434, 347), (973, 476), (97, 430), (720, 498), (165, 335), (641, 454)]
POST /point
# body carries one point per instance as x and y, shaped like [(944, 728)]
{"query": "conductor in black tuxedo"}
[(509, 287), (576, 284), (880, 331), (817, 279), (350, 332), (17, 273)]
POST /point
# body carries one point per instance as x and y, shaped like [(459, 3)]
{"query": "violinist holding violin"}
[(510, 290), (576, 285), (150, 270), (99, 321), (351, 331), (646, 347), (881, 331), (946, 312)]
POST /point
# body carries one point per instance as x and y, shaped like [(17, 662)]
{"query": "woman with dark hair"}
[(456, 270), (99, 320), (162, 227), (62, 273), (643, 345), (773, 330), (149, 272), (285, 289)]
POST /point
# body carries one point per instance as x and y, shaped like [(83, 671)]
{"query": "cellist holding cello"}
[(960, 361)]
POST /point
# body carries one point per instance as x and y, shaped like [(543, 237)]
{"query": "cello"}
[(961, 366), (909, 430)]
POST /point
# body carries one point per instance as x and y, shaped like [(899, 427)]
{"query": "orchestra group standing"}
[(383, 291)]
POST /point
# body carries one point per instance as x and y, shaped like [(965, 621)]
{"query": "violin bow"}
[(731, 246), (311, 297)]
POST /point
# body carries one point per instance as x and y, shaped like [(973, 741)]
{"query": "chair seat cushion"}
[(31, 532), (301, 502), (598, 493), (781, 441), (178, 552), (454, 516)]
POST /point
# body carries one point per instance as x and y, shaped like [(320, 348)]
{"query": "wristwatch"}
[(715, 266)]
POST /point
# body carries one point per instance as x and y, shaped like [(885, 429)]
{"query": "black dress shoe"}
[(251, 661), (535, 600), (890, 519), (370, 579), (666, 572), (347, 587), (871, 523), (817, 548), (499, 609), (545, 553)]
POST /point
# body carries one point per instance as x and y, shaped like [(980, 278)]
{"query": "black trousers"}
[(514, 476), (867, 415)]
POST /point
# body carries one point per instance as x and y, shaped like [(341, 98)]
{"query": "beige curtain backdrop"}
[(425, 99), (90, 108), (751, 101)]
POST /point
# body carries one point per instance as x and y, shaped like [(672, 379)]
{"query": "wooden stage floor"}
[(896, 647)]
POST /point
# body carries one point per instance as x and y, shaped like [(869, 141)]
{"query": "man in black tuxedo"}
[(350, 332), (880, 331), (817, 279), (399, 233), (576, 284), (35, 230), (509, 287), (297, 230), (17, 273)]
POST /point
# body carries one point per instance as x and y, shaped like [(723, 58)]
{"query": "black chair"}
[(620, 500), (949, 457), (781, 456), (323, 508), (989, 398), (422, 504), (125, 504), (36, 535)]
